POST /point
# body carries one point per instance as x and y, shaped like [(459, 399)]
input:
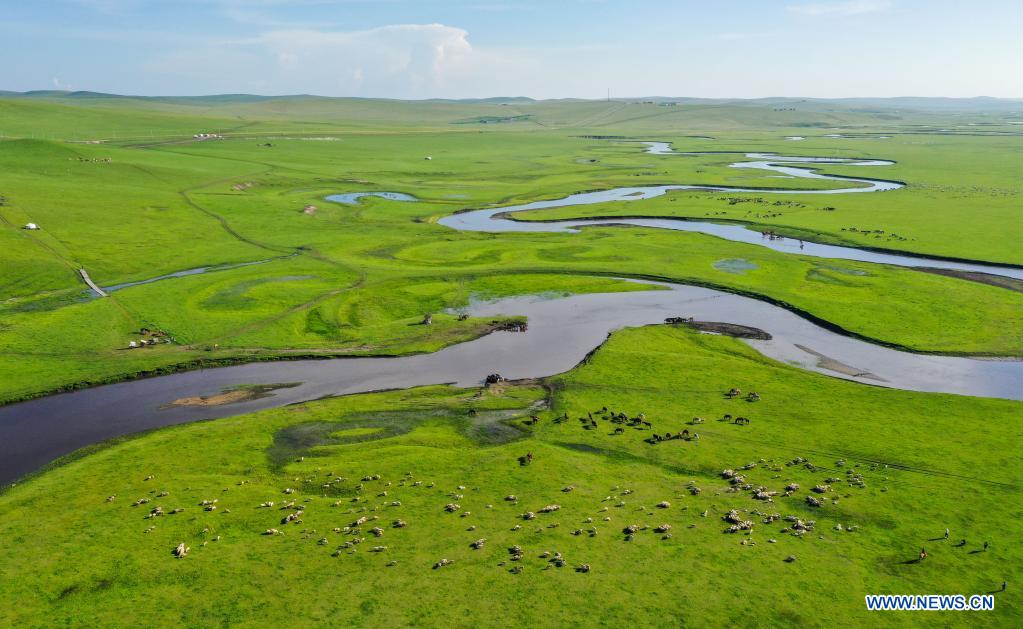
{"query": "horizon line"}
[(500, 97)]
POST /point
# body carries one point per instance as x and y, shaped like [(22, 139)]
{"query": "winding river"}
[(495, 219), (561, 332)]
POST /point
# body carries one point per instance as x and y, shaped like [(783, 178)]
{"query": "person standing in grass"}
[(946, 533)]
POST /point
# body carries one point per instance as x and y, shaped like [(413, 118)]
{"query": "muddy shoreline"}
[(1007, 283), (729, 329), (203, 363)]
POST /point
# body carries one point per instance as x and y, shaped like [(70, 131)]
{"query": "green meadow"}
[(119, 187), (901, 467)]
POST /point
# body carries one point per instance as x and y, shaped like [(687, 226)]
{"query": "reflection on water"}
[(352, 198), (494, 219), (561, 332)]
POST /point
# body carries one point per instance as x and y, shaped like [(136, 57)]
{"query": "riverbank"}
[(240, 357), (561, 333), (784, 232), (440, 449)]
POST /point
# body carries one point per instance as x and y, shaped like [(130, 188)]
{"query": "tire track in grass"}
[(185, 193), (594, 118), (311, 253), (262, 323)]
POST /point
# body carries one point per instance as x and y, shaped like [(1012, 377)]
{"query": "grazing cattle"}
[(734, 392)]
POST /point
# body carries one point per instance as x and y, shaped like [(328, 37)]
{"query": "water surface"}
[(561, 332), (352, 198), (497, 219)]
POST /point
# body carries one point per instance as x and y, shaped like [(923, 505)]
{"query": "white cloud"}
[(60, 85), (849, 7), (398, 60), (420, 55)]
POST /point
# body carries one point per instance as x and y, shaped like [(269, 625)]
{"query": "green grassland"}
[(927, 462), (129, 210), (960, 199), (121, 189)]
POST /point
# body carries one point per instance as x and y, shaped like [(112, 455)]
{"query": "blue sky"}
[(543, 49)]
